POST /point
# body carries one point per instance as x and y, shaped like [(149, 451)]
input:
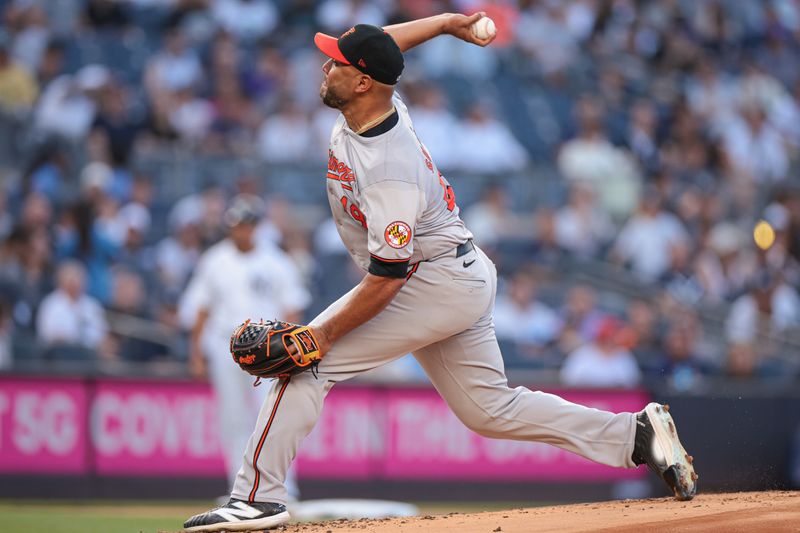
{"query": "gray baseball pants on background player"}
[(443, 315)]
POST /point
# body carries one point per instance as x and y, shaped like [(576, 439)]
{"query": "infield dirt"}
[(751, 512)]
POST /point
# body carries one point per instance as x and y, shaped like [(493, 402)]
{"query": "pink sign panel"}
[(42, 426), (149, 428), (152, 428), (412, 434), (427, 441), (347, 441)]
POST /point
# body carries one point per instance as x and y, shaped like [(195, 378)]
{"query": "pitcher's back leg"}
[(467, 370)]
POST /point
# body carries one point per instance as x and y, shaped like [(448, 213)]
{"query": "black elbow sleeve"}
[(388, 269)]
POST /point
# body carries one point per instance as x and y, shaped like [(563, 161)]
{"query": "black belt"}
[(465, 248)]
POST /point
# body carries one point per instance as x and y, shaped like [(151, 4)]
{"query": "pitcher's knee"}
[(490, 419), (487, 423), (483, 424)]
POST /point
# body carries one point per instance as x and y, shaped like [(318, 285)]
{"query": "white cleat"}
[(657, 445), (237, 515)]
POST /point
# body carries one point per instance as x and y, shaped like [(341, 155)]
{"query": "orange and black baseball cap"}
[(367, 48)]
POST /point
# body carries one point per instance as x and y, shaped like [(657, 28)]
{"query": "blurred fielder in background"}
[(235, 279)]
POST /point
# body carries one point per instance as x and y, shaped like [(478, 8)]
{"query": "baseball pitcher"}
[(427, 289)]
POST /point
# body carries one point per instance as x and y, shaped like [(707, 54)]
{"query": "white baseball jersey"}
[(390, 203), (235, 286)]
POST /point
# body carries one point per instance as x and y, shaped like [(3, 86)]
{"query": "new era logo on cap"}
[(367, 48)]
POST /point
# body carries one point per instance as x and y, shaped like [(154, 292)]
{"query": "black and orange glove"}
[(274, 349)]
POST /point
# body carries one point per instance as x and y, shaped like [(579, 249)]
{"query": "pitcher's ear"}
[(364, 83)]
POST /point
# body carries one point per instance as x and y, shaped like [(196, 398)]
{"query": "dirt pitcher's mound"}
[(764, 512)]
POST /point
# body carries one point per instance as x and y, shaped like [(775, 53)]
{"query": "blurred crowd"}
[(659, 132)]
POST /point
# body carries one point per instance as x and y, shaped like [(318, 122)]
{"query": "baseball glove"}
[(264, 349)]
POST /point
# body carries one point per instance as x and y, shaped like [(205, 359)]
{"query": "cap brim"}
[(330, 47), (237, 219)]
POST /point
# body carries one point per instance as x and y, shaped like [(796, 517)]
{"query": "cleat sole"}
[(267, 522), (679, 474)]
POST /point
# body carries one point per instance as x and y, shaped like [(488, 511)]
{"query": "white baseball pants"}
[(443, 315)]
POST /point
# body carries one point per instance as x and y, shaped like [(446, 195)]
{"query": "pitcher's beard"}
[(330, 99)]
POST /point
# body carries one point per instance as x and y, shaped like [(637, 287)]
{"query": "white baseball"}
[(484, 28)]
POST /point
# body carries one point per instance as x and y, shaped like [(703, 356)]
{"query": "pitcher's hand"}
[(460, 26)]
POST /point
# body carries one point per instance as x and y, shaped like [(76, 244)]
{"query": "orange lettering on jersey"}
[(338, 170)]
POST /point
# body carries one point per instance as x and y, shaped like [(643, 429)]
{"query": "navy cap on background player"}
[(244, 209), (367, 48)]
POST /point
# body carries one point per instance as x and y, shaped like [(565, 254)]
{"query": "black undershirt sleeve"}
[(387, 269)]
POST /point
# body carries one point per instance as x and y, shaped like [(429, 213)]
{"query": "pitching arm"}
[(415, 32)]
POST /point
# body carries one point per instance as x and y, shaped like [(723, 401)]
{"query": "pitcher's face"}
[(337, 84)]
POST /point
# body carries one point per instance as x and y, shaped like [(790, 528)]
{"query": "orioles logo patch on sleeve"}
[(397, 234)]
